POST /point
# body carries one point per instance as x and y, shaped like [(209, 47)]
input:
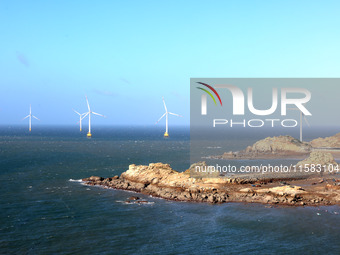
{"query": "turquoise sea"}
[(44, 209)]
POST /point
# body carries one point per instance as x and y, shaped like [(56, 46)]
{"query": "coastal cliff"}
[(160, 180)]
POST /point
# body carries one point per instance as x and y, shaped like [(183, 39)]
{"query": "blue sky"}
[(126, 55)]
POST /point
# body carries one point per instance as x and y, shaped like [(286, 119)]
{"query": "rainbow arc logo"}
[(209, 93), (204, 97)]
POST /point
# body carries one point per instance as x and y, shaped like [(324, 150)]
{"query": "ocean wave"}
[(127, 202), (72, 180)]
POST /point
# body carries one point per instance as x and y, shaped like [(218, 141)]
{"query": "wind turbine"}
[(30, 119), (301, 116), (166, 114), (89, 114), (80, 118)]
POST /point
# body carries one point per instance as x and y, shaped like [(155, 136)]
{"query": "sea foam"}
[(72, 180)]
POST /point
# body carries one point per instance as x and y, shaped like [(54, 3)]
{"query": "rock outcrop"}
[(280, 144), (318, 160), (271, 147), (202, 170), (327, 142), (161, 180)]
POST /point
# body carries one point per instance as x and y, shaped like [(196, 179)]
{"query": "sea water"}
[(45, 209)]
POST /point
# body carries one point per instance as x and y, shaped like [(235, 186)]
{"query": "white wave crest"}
[(72, 180)]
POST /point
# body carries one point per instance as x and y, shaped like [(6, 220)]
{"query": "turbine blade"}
[(88, 105), (85, 115), (160, 118), (166, 110), (35, 117), (175, 114), (304, 117), (76, 112), (26, 117), (99, 114)]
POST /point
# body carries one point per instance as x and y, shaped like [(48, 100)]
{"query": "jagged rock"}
[(96, 178), (323, 159), (328, 142), (280, 144), (276, 146), (285, 190), (202, 170)]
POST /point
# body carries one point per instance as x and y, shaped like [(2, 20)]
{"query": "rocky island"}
[(271, 147), (293, 188), (160, 180), (327, 142), (284, 147)]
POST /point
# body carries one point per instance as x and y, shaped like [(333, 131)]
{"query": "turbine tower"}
[(302, 116), (80, 119), (30, 119), (166, 114), (89, 114)]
